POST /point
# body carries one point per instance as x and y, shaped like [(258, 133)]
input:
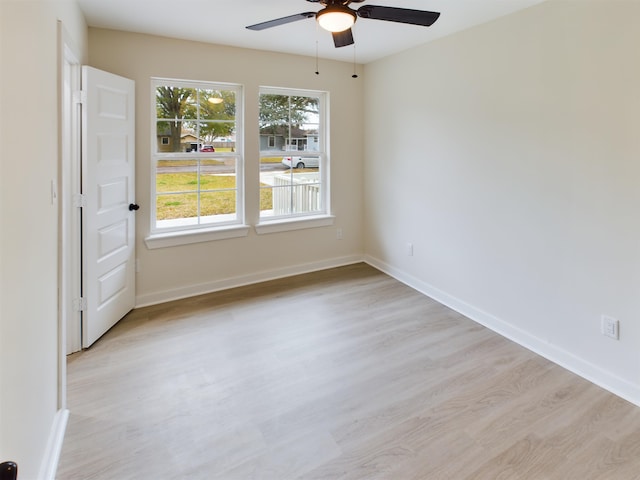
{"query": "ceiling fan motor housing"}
[(336, 17)]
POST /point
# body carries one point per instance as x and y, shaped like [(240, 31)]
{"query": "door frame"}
[(69, 223)]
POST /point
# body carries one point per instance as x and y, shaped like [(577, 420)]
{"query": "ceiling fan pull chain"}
[(355, 74), (317, 69)]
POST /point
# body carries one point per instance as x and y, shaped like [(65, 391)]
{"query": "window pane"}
[(274, 109), (218, 206), (280, 201), (266, 200), (175, 206), (269, 168), (293, 193), (214, 132), (173, 136), (218, 166), (217, 118), (176, 176), (305, 117), (305, 193), (217, 104), (175, 103)]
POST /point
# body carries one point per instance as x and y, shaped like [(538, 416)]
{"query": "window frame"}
[(321, 217), (191, 233)]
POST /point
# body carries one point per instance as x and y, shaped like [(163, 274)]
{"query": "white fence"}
[(298, 193)]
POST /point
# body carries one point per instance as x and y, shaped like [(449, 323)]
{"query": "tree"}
[(279, 113), (173, 103), (189, 108), (217, 119)]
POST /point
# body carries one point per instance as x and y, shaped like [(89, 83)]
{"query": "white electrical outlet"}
[(610, 327), (339, 234), (410, 249)]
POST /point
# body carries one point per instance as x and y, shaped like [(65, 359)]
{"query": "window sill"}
[(186, 237), (294, 224)]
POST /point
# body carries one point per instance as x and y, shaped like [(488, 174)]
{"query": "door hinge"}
[(80, 96), (79, 200), (80, 304)]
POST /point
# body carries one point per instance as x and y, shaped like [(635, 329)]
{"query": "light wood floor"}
[(340, 374)]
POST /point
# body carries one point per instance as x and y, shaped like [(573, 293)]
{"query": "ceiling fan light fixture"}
[(336, 18)]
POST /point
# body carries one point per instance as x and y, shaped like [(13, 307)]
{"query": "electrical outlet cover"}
[(610, 327)]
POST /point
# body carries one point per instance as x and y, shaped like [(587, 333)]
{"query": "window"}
[(293, 154), (197, 155)]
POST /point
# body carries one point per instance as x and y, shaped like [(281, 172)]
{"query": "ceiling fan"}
[(338, 18)]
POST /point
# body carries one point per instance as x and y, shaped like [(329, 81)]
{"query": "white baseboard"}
[(54, 446), (155, 298), (564, 358)]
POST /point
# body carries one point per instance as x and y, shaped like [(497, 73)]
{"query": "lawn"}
[(194, 162), (270, 159), (178, 195)]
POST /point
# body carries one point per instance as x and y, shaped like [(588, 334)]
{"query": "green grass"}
[(270, 159), (188, 181), (218, 199), (194, 162), (188, 163)]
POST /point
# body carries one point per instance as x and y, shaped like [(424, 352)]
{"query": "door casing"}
[(69, 228)]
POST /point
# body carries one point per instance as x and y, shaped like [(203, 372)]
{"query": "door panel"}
[(108, 226)]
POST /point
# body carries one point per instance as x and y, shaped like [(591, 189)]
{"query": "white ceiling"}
[(224, 21)]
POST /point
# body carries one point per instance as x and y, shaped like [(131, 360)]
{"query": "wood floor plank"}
[(339, 374)]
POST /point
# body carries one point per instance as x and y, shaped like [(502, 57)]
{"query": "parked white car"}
[(301, 162)]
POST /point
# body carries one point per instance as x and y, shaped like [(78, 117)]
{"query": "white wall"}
[(180, 271), (509, 155), (29, 226)]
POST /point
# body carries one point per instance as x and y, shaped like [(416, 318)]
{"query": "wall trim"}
[(559, 356), (155, 298), (54, 446)]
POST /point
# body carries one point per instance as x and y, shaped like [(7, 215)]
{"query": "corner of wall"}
[(53, 449), (553, 353)]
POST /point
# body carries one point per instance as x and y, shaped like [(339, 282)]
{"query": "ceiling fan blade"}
[(400, 15), (281, 21), (342, 39)]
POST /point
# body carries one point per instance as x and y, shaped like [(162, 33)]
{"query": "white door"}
[(108, 213)]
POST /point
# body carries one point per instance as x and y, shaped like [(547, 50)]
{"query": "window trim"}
[(187, 237), (184, 234), (294, 223)]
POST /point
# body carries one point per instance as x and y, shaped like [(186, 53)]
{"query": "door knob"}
[(8, 471), (133, 207)]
